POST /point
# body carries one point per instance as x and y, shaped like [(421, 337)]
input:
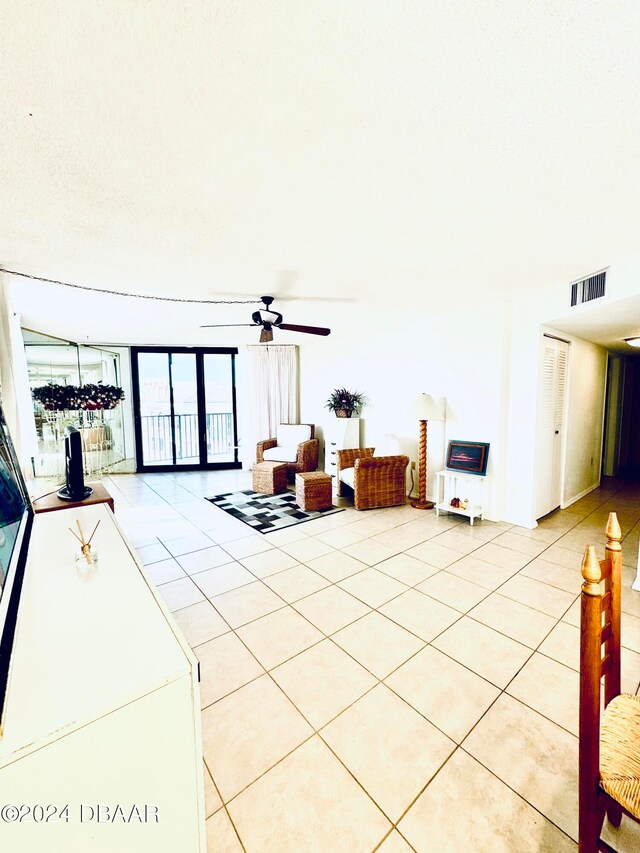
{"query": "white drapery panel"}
[(268, 394), (14, 382)]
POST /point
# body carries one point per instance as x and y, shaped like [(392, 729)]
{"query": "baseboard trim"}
[(578, 497)]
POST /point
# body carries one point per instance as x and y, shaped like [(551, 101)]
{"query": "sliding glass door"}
[(219, 402), (185, 412)]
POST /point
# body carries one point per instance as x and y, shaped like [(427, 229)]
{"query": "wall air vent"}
[(588, 288)]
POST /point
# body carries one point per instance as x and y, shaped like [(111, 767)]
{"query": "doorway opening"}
[(184, 402), (622, 438)]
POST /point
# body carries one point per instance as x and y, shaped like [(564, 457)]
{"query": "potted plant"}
[(344, 403)]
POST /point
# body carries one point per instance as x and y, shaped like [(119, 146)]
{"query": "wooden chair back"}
[(599, 658)]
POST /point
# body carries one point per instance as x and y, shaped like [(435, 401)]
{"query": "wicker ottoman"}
[(269, 478), (313, 491)]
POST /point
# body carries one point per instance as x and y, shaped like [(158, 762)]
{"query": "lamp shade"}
[(425, 408)]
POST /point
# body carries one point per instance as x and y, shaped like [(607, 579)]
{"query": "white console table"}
[(457, 484), (103, 705)]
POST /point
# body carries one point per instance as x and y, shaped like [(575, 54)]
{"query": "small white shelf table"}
[(457, 484)]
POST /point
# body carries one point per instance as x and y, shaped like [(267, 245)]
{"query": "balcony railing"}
[(157, 444)]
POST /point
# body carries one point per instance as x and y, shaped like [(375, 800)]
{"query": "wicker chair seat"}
[(376, 480), (299, 458), (280, 453), (347, 476), (620, 752)]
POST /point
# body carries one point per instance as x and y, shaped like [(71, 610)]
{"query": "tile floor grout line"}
[(314, 733), (424, 788), (235, 690), (385, 837), (519, 795), (360, 784), (267, 671), (508, 684), (498, 631), (346, 708), (306, 740), (347, 625), (540, 714), (223, 806), (233, 590), (503, 690), (473, 728)]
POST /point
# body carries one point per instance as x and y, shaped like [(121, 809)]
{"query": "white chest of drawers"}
[(339, 433)]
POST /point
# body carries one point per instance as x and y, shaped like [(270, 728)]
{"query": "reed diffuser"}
[(86, 558)]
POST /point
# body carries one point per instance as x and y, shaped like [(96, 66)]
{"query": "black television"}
[(16, 518), (74, 488)]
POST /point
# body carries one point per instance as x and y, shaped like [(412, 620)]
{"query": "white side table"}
[(457, 484)]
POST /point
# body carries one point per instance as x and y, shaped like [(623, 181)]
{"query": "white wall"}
[(586, 389), (520, 404), (483, 359), (129, 462), (587, 384), (452, 352)]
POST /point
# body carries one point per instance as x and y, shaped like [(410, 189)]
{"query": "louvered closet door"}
[(551, 416)]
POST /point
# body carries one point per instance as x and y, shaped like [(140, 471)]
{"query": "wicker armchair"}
[(299, 457), (377, 480)]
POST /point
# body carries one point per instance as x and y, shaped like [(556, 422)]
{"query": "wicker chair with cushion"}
[(293, 444), (609, 743), (376, 480)]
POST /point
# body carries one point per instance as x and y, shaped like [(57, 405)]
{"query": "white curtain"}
[(14, 383), (268, 394)]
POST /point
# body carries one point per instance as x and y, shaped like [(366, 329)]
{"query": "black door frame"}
[(199, 352)]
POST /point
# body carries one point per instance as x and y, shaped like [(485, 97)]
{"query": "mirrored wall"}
[(103, 434)]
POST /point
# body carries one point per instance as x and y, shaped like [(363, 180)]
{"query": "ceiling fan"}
[(267, 318)]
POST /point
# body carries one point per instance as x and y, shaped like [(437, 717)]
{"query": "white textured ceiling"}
[(328, 149)]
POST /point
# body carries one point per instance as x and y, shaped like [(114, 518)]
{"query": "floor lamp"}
[(425, 409)]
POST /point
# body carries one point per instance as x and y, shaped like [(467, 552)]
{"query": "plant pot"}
[(343, 413)]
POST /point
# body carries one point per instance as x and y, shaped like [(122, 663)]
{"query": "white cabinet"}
[(103, 705), (464, 487), (339, 434)]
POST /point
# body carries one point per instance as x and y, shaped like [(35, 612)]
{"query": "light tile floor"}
[(383, 680)]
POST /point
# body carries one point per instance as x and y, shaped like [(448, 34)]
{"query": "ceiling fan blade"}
[(309, 330), (226, 325), (266, 335)]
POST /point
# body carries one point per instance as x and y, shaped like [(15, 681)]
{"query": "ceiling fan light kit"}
[(267, 318)]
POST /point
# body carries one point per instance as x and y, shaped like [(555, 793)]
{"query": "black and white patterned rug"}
[(267, 512)]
